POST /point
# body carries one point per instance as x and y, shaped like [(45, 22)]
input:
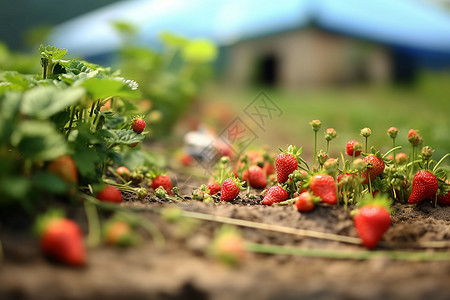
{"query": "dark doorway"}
[(267, 70)]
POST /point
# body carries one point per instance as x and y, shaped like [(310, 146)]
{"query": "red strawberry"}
[(401, 158), (164, 181), (444, 199), (353, 146), (110, 194), (138, 125), (123, 171), (371, 222), (323, 186), (230, 190), (64, 167), (424, 186), (269, 168), (255, 176), (62, 240), (214, 187), (285, 163), (133, 145), (305, 202), (274, 195), (375, 167)]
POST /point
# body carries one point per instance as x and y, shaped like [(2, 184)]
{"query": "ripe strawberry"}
[(274, 195), (230, 189), (214, 187), (124, 172), (110, 194), (375, 167), (353, 147), (444, 199), (186, 159), (424, 186), (371, 222), (62, 240), (64, 167), (323, 186), (255, 176), (269, 168), (304, 202), (285, 164), (138, 125), (164, 181), (133, 145)]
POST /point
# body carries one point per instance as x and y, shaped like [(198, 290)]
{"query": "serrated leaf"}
[(86, 160), (17, 81), (100, 88), (77, 67), (52, 51), (124, 137), (38, 141), (44, 102)]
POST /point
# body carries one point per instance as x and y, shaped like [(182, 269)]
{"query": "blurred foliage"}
[(58, 113), (170, 77), (20, 62)]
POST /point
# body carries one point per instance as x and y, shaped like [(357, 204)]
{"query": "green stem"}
[(393, 152), (328, 144), (354, 255), (72, 117), (315, 149), (94, 235), (366, 143), (440, 161)]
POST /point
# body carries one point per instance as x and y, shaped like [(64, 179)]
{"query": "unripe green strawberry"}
[(392, 132), (323, 186), (371, 222), (424, 186), (401, 158), (274, 195), (124, 172), (110, 194)]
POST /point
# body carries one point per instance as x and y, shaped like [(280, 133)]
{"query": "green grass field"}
[(424, 107)]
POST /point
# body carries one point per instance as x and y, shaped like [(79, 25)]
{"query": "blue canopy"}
[(406, 24)]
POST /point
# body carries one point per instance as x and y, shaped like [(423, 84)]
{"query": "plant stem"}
[(315, 149), (72, 116), (393, 153), (339, 254), (93, 239), (366, 143)]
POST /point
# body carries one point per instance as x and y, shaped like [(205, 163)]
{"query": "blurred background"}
[(200, 64)]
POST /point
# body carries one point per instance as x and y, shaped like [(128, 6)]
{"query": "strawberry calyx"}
[(291, 149), (42, 222), (379, 199)]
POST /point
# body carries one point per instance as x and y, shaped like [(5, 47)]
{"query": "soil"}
[(183, 269)]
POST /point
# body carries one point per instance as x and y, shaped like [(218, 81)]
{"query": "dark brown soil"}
[(182, 269)]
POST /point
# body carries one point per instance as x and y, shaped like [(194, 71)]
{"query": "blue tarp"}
[(406, 24)]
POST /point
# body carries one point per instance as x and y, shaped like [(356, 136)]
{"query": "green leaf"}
[(50, 183), (124, 137), (38, 141), (17, 81), (14, 187), (173, 40), (52, 51), (109, 87), (200, 51), (44, 102), (86, 159)]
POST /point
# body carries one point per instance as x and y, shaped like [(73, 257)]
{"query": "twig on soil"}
[(271, 227), (339, 254)]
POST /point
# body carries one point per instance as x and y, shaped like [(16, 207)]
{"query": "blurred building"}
[(286, 43)]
